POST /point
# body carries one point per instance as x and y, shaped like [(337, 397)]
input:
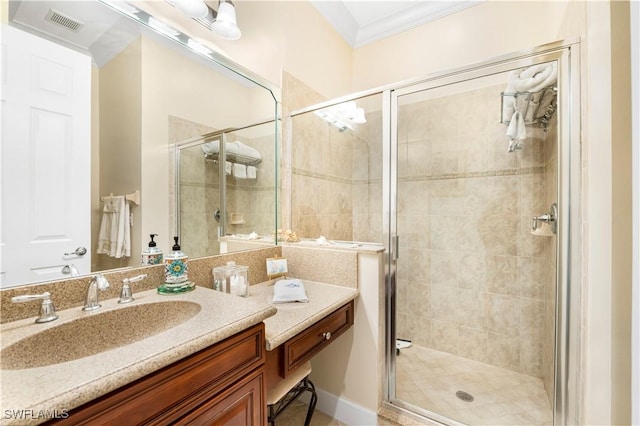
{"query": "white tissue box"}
[(285, 291)]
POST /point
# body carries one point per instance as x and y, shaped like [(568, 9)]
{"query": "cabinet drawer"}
[(242, 404), (165, 395), (305, 345)]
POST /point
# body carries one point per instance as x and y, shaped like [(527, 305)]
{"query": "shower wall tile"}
[(444, 336), (531, 357), (444, 303), (471, 309), (503, 315), (503, 351), (473, 343)]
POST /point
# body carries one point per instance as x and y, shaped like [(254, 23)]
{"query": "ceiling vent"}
[(63, 20)]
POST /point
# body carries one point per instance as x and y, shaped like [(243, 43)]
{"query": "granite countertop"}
[(67, 385), (292, 318)]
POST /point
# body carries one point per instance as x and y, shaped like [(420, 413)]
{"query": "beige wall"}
[(277, 36), (489, 29), (622, 211), (173, 85), (120, 113)]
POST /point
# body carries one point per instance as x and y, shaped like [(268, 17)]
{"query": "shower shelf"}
[(537, 108), (235, 158)]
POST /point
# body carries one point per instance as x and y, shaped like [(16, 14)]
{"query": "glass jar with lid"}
[(231, 279)]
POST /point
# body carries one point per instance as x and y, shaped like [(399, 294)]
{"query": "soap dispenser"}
[(176, 279), (152, 255)]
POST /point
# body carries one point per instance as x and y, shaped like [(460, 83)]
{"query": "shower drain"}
[(466, 397)]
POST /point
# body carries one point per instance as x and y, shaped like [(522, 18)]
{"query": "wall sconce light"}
[(223, 21)]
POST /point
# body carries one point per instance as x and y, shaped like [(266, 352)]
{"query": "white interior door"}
[(46, 110)]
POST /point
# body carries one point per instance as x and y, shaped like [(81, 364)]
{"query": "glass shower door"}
[(474, 288)]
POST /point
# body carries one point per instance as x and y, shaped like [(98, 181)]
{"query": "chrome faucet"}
[(91, 302), (47, 310), (126, 295)]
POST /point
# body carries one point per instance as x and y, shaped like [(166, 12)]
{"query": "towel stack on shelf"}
[(526, 80)]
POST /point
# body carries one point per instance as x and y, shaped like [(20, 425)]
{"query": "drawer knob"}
[(326, 335)]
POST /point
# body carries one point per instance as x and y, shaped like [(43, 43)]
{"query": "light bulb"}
[(192, 8), (225, 23)]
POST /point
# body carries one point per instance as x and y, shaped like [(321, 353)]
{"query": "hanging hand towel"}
[(228, 166), (114, 238), (252, 172), (239, 171), (516, 131)]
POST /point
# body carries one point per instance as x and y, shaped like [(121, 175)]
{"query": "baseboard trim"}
[(343, 410)]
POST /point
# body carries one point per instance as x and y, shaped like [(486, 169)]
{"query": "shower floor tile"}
[(430, 379)]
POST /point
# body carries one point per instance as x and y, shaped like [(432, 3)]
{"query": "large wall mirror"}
[(95, 98)]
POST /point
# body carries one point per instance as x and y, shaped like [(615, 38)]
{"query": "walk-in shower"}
[(477, 214), (225, 189)]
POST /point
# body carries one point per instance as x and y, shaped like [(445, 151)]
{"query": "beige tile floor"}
[(295, 414), (430, 379)]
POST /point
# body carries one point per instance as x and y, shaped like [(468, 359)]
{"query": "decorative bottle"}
[(152, 255), (176, 279)]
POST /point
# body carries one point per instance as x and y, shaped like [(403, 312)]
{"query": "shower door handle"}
[(395, 247)]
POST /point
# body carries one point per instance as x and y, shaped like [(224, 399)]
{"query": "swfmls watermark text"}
[(29, 414)]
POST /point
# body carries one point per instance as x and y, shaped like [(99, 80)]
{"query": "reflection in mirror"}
[(227, 197), (336, 181), (108, 90)]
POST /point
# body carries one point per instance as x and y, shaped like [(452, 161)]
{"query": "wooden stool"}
[(288, 390)]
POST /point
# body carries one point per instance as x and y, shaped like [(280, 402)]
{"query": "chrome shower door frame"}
[(568, 259)]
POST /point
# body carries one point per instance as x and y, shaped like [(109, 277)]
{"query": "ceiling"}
[(361, 22)]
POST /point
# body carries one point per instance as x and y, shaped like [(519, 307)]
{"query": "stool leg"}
[(271, 419), (312, 402)]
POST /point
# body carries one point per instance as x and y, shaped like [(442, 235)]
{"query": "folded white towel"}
[(533, 78), (114, 237), (247, 151), (228, 166), (285, 291), (530, 79), (239, 171), (212, 147), (232, 148), (252, 172)]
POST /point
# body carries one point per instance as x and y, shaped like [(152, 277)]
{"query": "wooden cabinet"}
[(220, 385), (301, 348)]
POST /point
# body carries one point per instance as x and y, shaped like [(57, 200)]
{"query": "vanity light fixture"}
[(162, 27), (198, 47), (223, 21), (343, 115)]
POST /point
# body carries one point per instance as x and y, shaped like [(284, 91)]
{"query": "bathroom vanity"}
[(223, 384), (212, 367)]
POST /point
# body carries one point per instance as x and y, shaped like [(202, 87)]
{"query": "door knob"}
[(80, 251)]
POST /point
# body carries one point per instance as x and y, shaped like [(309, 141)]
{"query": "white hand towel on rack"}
[(239, 171), (252, 172), (516, 131), (114, 238), (228, 166)]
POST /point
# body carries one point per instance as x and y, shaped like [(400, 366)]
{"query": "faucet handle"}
[(47, 309), (126, 294)]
